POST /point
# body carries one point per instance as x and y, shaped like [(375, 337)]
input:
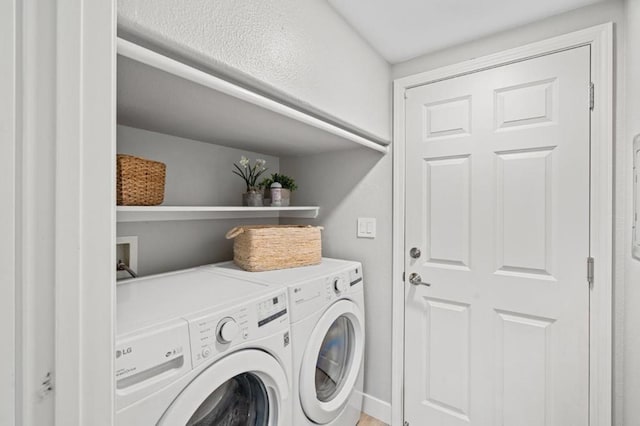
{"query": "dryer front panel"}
[(332, 361), (335, 358)]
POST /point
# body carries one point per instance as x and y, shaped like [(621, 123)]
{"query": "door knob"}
[(416, 279), (415, 252)]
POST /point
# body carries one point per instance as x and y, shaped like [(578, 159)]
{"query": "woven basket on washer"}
[(268, 247), (140, 182)]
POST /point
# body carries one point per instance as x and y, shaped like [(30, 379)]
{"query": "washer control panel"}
[(272, 309), (211, 333), (147, 355), (215, 332), (227, 330)]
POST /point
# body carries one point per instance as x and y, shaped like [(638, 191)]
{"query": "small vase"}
[(286, 197), (252, 199)]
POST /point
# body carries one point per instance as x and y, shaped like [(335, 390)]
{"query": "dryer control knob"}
[(340, 285), (228, 330)]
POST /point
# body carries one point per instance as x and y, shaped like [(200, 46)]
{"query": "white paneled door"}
[(497, 212)]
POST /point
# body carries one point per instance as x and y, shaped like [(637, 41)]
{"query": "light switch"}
[(366, 227)]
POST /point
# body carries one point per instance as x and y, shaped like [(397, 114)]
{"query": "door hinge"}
[(590, 265), (592, 96)]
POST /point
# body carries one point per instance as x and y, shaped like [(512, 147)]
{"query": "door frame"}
[(600, 39), (10, 18), (85, 216)]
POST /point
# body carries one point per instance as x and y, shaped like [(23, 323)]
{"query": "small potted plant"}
[(250, 174), (288, 186)]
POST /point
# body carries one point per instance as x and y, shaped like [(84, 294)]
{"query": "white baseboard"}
[(377, 408)]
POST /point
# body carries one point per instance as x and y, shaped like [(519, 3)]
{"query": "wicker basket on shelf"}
[(140, 182), (267, 247)]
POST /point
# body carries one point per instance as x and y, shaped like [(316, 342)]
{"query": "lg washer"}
[(197, 348)]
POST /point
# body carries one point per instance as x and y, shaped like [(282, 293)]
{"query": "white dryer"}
[(328, 335), (197, 348)]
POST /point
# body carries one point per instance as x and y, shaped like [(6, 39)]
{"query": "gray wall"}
[(299, 50), (632, 271), (197, 174), (612, 11), (347, 185)]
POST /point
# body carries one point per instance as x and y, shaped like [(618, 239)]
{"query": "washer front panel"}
[(195, 402)]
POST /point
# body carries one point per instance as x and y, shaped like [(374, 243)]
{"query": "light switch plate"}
[(366, 227)]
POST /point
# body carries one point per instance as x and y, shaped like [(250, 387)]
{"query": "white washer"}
[(327, 334), (198, 348)]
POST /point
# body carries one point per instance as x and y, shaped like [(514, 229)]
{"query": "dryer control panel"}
[(343, 283), (311, 296), (213, 333)]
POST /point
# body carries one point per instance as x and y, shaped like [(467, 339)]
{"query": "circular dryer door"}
[(332, 361), (246, 388)]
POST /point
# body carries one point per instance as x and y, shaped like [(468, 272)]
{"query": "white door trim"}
[(85, 213), (9, 85), (600, 39)]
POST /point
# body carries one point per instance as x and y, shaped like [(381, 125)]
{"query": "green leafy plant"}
[(249, 173), (284, 180)]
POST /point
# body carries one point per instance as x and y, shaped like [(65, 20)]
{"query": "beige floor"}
[(369, 421)]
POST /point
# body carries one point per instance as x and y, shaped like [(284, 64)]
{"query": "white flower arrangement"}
[(248, 173)]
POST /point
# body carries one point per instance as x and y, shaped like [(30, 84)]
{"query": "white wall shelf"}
[(160, 94), (172, 213)]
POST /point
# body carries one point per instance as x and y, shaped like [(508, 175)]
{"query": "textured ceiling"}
[(403, 29)]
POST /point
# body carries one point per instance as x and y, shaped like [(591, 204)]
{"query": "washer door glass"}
[(335, 359), (240, 401)]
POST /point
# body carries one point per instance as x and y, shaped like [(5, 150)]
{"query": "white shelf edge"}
[(173, 213), (161, 62)]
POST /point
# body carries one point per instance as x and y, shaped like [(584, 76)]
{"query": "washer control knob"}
[(340, 285), (228, 330)]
